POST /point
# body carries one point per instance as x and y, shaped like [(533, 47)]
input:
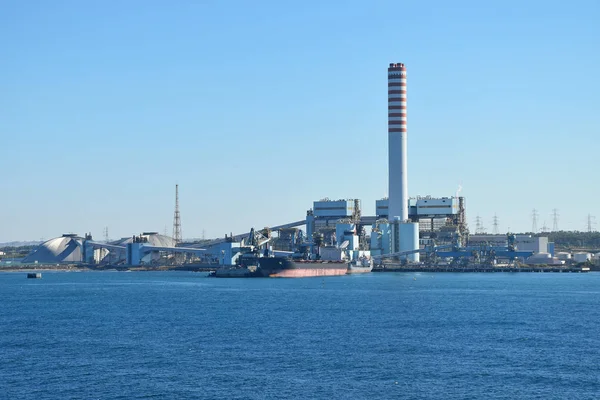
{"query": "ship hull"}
[(232, 273), (277, 267), (355, 269)]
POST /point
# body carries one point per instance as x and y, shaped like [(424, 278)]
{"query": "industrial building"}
[(74, 249), (67, 248), (431, 213), (535, 244)]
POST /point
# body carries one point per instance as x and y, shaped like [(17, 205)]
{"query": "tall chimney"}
[(397, 149)]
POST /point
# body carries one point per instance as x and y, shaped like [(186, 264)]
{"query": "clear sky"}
[(258, 108)]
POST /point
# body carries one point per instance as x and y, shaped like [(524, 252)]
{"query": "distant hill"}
[(20, 244)]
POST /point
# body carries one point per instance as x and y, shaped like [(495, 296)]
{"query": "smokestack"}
[(397, 160)]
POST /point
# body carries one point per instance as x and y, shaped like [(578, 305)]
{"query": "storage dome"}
[(64, 249)]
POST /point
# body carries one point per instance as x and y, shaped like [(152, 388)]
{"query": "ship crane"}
[(257, 239)]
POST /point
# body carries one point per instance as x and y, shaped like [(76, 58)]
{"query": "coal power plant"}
[(334, 237)]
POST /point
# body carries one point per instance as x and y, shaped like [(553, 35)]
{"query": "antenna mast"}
[(177, 219)]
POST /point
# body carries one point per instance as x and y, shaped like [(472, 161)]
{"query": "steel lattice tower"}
[(479, 228), (534, 217), (591, 223), (496, 225), (177, 218), (555, 220)]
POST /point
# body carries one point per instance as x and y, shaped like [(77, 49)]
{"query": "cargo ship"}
[(281, 267), (300, 264)]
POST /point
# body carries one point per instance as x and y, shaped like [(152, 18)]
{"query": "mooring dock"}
[(399, 268)]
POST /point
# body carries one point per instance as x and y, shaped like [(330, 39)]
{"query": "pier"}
[(439, 268)]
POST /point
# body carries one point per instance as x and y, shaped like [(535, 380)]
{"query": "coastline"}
[(94, 268), (213, 267)]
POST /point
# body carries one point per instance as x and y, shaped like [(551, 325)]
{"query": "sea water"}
[(179, 335)]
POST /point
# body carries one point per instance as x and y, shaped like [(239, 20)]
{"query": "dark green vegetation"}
[(17, 251), (569, 240)]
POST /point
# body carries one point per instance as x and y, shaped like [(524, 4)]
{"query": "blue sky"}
[(256, 109)]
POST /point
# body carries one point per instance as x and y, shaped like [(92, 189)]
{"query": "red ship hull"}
[(277, 267)]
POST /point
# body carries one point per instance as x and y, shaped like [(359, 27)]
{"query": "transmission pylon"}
[(534, 217), (479, 229), (106, 239), (555, 220), (177, 218), (495, 229), (591, 223)]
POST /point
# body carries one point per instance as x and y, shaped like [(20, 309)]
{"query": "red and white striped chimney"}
[(397, 151)]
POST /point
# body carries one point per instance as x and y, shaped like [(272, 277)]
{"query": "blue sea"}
[(179, 335)]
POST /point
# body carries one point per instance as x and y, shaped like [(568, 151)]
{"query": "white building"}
[(537, 244), (563, 255), (544, 258), (582, 257)]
